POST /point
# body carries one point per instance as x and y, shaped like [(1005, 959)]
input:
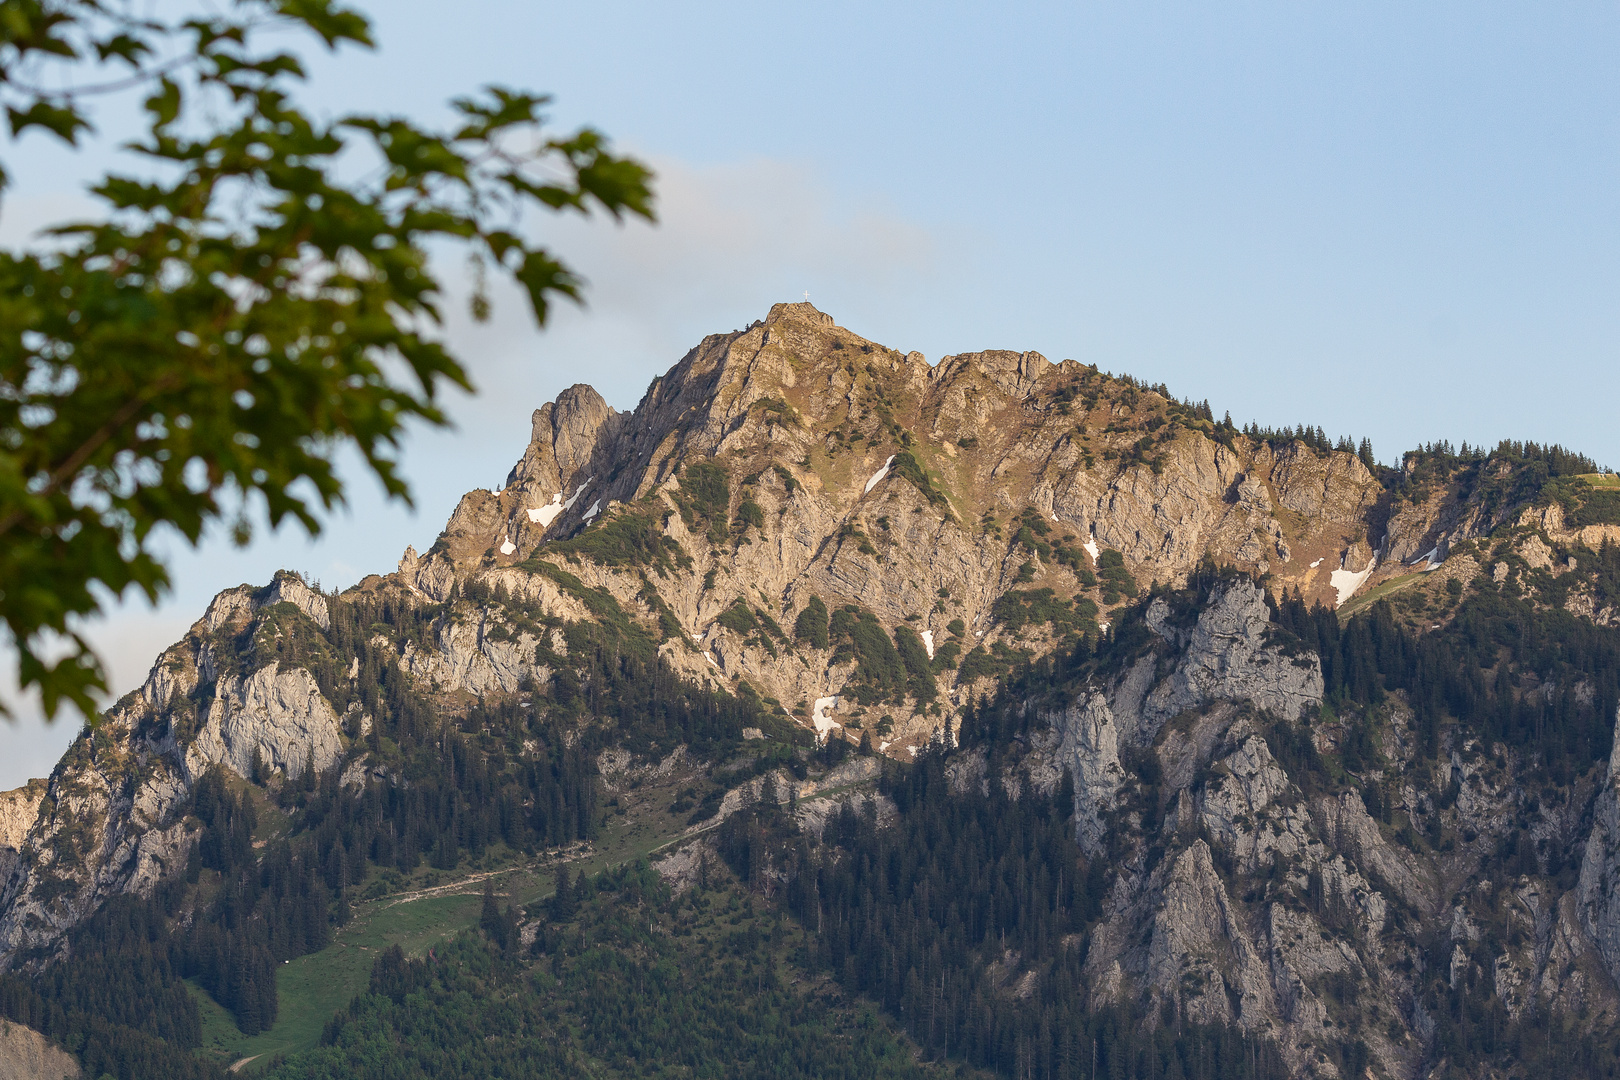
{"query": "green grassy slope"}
[(434, 908)]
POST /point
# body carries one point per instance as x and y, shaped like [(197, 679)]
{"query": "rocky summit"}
[(1328, 744)]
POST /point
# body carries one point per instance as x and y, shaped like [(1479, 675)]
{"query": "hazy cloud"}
[(731, 240)]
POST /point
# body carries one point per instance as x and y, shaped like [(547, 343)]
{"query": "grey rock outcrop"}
[(1089, 747), (1236, 898), (1182, 937), (19, 809), (763, 401), (1598, 891), (89, 842), (233, 606), (1227, 656), (288, 588), (1230, 656), (110, 819), (278, 713)]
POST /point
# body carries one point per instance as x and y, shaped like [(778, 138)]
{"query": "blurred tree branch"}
[(235, 322)]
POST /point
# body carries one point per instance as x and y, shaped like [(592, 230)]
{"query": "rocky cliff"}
[(1256, 891), (923, 494)]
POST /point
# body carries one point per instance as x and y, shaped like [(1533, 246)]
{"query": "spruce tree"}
[(490, 919), (562, 901), (1365, 453)]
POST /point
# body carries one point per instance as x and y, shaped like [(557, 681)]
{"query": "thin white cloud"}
[(731, 240)]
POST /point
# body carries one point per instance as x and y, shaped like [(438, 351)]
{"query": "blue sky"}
[(1392, 220)]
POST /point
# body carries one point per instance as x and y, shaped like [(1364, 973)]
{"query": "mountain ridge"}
[(844, 546)]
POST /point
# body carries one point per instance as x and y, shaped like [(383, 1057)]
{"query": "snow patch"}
[(1315, 564), (545, 515), (819, 717), (1091, 549), (507, 547), (1430, 558), (569, 505), (1347, 582), (928, 642), (596, 508), (1103, 625), (710, 658), (878, 476)]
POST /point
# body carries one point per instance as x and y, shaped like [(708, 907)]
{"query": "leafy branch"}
[(233, 323)]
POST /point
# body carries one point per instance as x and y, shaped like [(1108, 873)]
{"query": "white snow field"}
[(928, 642), (569, 505), (1347, 582), (1430, 558), (819, 717), (545, 515), (878, 476)]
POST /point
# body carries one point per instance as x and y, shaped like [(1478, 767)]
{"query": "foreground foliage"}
[(247, 309)]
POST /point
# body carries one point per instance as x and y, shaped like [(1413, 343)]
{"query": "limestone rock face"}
[(432, 577), (1090, 750), (18, 811), (805, 419), (1182, 937), (1224, 657), (109, 819), (1598, 893), (86, 844), (1237, 896), (1354, 831), (1228, 657), (277, 712), (233, 606), (804, 416), (290, 589), (463, 656)]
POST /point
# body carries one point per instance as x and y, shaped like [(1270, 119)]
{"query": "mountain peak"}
[(798, 311)]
